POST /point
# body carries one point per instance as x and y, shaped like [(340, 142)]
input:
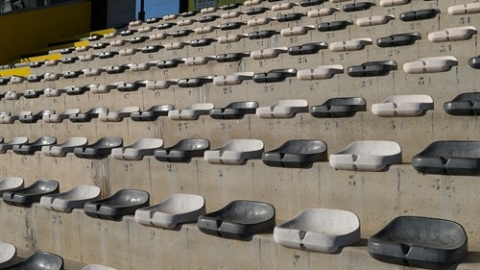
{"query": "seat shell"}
[(339, 107), (449, 158), (68, 146), (74, 198), (420, 242), (152, 113), (403, 105), (33, 193), (319, 230), (464, 104), (100, 149), (140, 148), (5, 146), (239, 220), (283, 109), (39, 260), (296, 154), (367, 156), (123, 202), (174, 210), (430, 65), (183, 151), (31, 148), (7, 253), (235, 152), (234, 110), (192, 112), (97, 267), (11, 184)]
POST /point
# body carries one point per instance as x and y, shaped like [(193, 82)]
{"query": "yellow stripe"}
[(56, 56), (23, 71)]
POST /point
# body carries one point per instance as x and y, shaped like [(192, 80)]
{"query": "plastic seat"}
[(464, 104), (87, 116), (283, 109), (31, 194), (34, 78), (320, 72), (8, 252), (72, 74), (137, 150), (13, 95), (359, 6), (5, 146), (420, 242), (68, 146), (58, 118), (156, 85), (350, 45), (7, 117), (403, 105), (339, 107), (319, 230), (175, 209), (469, 8), (27, 117), (39, 261), (309, 3), (449, 158), (74, 198), (118, 115), (326, 11), (97, 267), (430, 65), (233, 79), (418, 15), (194, 82), (260, 21), (474, 62), (100, 149), (333, 26), (453, 34), (31, 148), (183, 151), (275, 75), (235, 152), (169, 63), (296, 154), (262, 34), (152, 113), (31, 93), (10, 184), (374, 20), (192, 112), (267, 53), (52, 92), (398, 40), (239, 220), (231, 26), (391, 3), (371, 156), (234, 110), (307, 48), (197, 61), (123, 202), (288, 17), (256, 10)]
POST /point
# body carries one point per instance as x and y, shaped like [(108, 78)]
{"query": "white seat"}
[(430, 65), (192, 112), (390, 3), (233, 79), (453, 34), (197, 61), (403, 105), (97, 267), (267, 53), (175, 209), (321, 12), (296, 30), (350, 45), (170, 17), (231, 14), (230, 38), (74, 198), (205, 29), (320, 72), (139, 149), (259, 21), (185, 22), (282, 6), (235, 152), (159, 36), (156, 85), (58, 118), (367, 156), (374, 20), (8, 252), (319, 230), (60, 150), (174, 45), (283, 109), (117, 116), (469, 8)]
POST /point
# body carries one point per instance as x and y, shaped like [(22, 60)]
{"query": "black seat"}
[(183, 151), (100, 149), (308, 48), (230, 57), (151, 48), (239, 220), (262, 34), (234, 110), (33, 118), (256, 10), (275, 75), (31, 148), (357, 6), (123, 202), (76, 90), (464, 104), (287, 17), (296, 154), (194, 82), (398, 40), (106, 55), (309, 3), (182, 33), (231, 25), (449, 157), (88, 116), (31, 194), (474, 62), (333, 26), (201, 42), (209, 18), (39, 261), (164, 26), (151, 114), (371, 69), (169, 63), (418, 15), (420, 242), (339, 107)]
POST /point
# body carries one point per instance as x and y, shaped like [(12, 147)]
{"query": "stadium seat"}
[(74, 198), (403, 105), (8, 252), (5, 146), (296, 154), (320, 72), (11, 184), (350, 45), (28, 117), (123, 202), (87, 116), (339, 107), (26, 196), (152, 113), (183, 151), (100, 149), (283, 109), (39, 260), (137, 150), (430, 65), (68, 146), (191, 112), (370, 69), (464, 104), (453, 34), (235, 152), (234, 110), (117, 116), (31, 148)]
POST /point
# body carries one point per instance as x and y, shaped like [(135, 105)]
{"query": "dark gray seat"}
[(464, 104), (183, 151), (151, 114), (31, 148), (33, 118), (31, 194), (417, 15), (419, 242), (449, 157), (100, 149), (357, 6), (398, 40), (123, 202), (275, 75), (39, 261), (339, 107), (87, 116), (369, 69), (333, 26), (296, 154), (234, 110), (239, 220), (308, 48)]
